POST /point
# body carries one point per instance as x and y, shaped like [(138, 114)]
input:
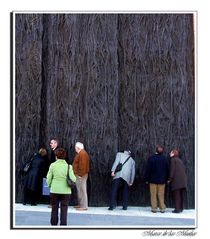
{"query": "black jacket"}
[(157, 169), (33, 179)]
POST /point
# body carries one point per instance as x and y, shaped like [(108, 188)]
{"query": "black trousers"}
[(56, 200), (116, 184)]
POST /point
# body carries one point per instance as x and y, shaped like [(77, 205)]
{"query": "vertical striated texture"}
[(28, 84), (82, 86), (112, 81), (156, 72)]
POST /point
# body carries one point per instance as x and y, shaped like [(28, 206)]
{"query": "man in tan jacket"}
[(81, 167)]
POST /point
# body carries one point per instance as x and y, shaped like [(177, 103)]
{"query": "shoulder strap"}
[(68, 170), (126, 160)]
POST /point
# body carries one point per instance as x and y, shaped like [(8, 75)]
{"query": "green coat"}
[(56, 177)]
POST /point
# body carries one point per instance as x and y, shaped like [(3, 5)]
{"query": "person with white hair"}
[(81, 167)]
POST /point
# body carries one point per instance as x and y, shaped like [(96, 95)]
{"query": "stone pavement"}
[(99, 217)]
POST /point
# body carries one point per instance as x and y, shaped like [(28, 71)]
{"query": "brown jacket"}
[(178, 177), (81, 163)]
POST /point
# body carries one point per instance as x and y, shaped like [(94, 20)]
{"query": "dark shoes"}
[(176, 211), (32, 204), (110, 208)]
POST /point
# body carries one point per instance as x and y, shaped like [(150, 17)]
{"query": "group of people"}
[(56, 179), (159, 172)]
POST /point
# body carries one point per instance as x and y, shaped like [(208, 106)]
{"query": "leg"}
[(54, 199), (153, 196), (182, 198), (125, 191), (161, 196), (25, 191), (83, 192), (177, 200), (25, 196), (78, 186), (115, 185), (33, 198), (64, 208)]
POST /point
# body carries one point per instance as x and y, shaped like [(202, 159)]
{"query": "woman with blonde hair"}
[(33, 178)]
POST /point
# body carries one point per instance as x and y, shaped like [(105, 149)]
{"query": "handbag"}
[(27, 166), (120, 165), (68, 180)]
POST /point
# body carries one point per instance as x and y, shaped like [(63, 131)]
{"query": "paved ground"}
[(100, 217)]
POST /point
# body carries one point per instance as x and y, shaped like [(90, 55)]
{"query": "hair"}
[(42, 151), (175, 152), (79, 145), (60, 153), (159, 149)]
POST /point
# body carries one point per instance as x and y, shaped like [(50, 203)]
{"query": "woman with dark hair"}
[(178, 180), (59, 189)]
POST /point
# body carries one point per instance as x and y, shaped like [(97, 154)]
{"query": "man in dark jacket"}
[(156, 175), (53, 145)]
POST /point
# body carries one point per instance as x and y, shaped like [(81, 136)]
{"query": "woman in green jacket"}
[(59, 189)]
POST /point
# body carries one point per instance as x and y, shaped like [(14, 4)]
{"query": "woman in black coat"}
[(33, 178), (178, 180)]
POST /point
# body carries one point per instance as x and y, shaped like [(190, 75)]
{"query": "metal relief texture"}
[(112, 81)]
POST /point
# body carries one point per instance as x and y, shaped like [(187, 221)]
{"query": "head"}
[(128, 152), (60, 153), (79, 146), (159, 149), (54, 143), (42, 152), (174, 153)]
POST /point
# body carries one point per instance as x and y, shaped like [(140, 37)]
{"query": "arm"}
[(49, 176), (172, 170), (71, 174), (116, 162), (133, 171), (83, 163)]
